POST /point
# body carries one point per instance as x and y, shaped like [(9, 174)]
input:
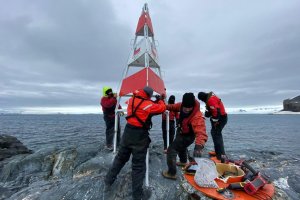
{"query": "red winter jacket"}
[(195, 120), (215, 106), (144, 108), (109, 105)]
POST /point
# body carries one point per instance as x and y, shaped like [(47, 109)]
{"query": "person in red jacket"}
[(218, 118), (173, 116), (191, 128), (108, 103), (135, 139)]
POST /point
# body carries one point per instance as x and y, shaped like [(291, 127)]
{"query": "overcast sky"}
[(57, 53)]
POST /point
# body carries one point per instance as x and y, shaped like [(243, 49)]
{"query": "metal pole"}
[(116, 131), (146, 65), (147, 169), (168, 127)]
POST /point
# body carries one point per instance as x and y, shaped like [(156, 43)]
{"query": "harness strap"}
[(144, 124)]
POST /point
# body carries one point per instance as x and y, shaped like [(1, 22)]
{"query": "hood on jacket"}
[(141, 93), (104, 90)]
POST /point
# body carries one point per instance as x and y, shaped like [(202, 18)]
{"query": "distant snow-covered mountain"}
[(255, 110), (97, 110), (251, 110)]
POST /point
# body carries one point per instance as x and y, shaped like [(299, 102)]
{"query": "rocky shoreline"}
[(78, 172)]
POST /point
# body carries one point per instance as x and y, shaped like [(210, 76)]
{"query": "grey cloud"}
[(60, 52), (66, 40), (251, 47)]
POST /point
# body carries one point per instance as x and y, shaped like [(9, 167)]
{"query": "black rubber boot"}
[(146, 194)]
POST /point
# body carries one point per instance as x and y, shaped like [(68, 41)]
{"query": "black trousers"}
[(178, 146), (216, 133), (110, 129), (134, 141), (171, 131)]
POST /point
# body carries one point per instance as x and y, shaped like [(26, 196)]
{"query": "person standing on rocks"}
[(135, 139), (108, 103), (191, 127), (218, 118)]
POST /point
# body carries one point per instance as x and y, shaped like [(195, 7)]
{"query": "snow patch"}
[(282, 183)]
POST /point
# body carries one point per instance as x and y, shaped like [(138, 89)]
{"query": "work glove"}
[(121, 113), (207, 114), (198, 150), (157, 98)]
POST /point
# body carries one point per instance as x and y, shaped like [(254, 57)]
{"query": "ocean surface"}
[(271, 142)]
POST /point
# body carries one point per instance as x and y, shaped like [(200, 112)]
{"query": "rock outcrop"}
[(77, 172), (292, 104), (10, 146)]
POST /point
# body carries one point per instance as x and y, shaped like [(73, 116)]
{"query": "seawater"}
[(271, 142)]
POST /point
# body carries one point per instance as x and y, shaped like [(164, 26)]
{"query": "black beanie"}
[(202, 96), (188, 100), (171, 99)]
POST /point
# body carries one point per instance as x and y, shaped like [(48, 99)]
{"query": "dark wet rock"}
[(292, 104), (5, 193), (10, 146), (78, 173)]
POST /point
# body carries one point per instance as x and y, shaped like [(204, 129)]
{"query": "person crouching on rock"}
[(135, 139), (191, 127)]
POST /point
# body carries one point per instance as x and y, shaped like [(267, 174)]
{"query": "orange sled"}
[(264, 193)]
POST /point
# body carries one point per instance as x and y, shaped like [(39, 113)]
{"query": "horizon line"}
[(98, 110)]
